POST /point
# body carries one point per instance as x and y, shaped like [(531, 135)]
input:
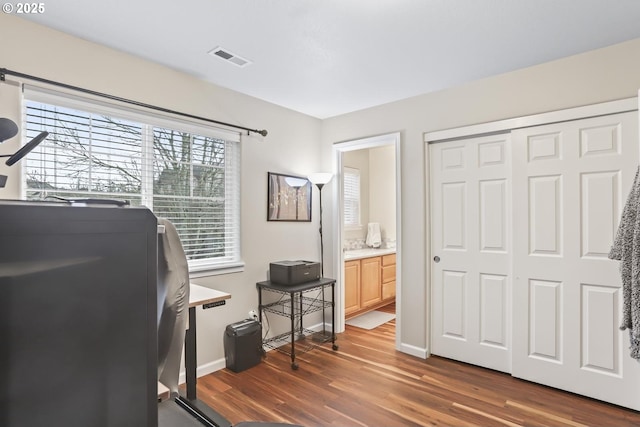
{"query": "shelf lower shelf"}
[(304, 342)]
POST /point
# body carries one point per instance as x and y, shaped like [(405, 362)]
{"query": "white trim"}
[(147, 166), (427, 265), (507, 125), (413, 350), (338, 222), (368, 142), (206, 369), (212, 269)]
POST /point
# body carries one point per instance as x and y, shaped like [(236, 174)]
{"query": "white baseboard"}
[(318, 327), (412, 350), (205, 369)]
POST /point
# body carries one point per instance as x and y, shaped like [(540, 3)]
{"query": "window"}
[(182, 171), (351, 197)]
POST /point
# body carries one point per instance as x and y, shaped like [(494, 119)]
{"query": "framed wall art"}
[(289, 198)]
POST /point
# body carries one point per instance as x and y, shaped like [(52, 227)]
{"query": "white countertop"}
[(367, 253)]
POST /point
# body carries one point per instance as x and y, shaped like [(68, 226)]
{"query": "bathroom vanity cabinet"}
[(370, 283)]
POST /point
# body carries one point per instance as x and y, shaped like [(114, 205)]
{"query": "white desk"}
[(198, 295)]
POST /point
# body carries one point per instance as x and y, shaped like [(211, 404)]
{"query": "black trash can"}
[(243, 345)]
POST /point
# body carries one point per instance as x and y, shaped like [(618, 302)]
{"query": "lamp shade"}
[(320, 178), (295, 182), (8, 129)]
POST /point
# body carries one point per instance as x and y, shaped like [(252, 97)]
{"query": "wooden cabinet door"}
[(351, 286), (371, 282)]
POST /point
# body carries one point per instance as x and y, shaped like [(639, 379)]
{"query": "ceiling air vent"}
[(230, 57)]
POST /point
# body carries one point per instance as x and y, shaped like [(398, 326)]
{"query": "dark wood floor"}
[(368, 383)]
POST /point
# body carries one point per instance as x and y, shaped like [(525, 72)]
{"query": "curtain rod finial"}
[(263, 132)]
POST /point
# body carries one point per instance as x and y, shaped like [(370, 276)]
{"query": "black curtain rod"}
[(4, 71)]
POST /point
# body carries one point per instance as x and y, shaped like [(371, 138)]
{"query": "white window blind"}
[(187, 173), (351, 197)]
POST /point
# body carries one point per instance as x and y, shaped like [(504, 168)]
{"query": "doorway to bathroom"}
[(367, 234)]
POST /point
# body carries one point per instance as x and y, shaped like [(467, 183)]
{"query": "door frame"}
[(501, 126), (338, 227)]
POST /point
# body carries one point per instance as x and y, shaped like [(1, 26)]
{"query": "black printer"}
[(294, 272)]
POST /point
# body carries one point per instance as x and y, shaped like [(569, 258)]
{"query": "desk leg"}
[(190, 355)]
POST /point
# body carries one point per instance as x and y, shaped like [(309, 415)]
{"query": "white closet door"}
[(570, 183), (470, 235)]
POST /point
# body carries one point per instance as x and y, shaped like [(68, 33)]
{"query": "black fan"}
[(8, 129)]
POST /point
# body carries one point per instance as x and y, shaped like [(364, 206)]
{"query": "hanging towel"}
[(373, 235), (626, 248)]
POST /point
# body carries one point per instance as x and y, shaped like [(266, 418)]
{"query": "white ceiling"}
[(329, 57)]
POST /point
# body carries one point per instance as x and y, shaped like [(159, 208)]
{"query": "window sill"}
[(204, 270)]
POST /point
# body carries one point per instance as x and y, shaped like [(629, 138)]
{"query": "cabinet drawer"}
[(388, 273), (388, 290), (388, 259)]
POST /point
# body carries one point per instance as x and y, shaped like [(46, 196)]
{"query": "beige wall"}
[(382, 189), (597, 76), (292, 146)]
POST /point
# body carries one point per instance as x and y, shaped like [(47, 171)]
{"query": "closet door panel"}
[(471, 238), (570, 183)]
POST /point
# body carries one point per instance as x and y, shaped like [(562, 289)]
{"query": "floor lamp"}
[(320, 179)]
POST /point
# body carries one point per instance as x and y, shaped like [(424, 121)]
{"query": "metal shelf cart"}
[(295, 307)]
